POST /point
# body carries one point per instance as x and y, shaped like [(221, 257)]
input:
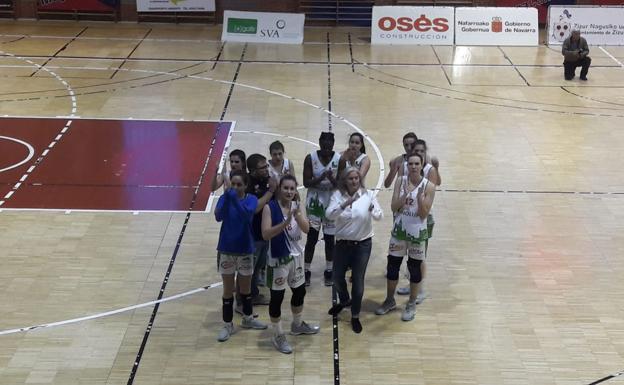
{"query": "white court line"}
[(612, 57), (74, 108), (109, 313), (31, 152)]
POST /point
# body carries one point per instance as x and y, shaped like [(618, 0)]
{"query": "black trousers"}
[(569, 67)]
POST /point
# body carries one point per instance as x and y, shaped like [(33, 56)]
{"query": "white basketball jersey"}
[(319, 168)]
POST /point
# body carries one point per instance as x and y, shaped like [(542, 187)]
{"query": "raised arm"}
[(342, 164), (268, 230), (217, 181), (392, 171), (309, 181), (436, 168), (245, 208), (398, 198), (337, 205), (302, 219), (366, 163), (291, 167), (262, 201), (375, 208), (221, 207), (425, 200)]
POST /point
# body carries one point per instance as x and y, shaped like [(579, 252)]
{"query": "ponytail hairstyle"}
[(422, 162), (241, 155), (286, 177), (363, 149)]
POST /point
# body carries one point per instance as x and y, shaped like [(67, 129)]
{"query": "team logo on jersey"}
[(395, 246), (279, 281), (416, 251)]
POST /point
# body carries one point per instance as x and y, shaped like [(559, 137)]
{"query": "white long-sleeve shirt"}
[(354, 223)]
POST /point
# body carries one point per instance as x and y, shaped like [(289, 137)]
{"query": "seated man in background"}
[(575, 52)]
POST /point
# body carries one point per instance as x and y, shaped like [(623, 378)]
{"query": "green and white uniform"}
[(409, 233), (278, 174), (318, 197), (358, 161), (287, 271)]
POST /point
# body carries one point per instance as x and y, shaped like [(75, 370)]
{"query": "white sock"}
[(277, 327), (307, 266), (329, 265), (297, 318)]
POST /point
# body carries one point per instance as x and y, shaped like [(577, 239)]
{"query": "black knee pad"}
[(298, 294), (413, 266), (393, 267), (275, 304)]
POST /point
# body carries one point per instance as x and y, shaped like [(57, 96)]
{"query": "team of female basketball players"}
[(263, 222)]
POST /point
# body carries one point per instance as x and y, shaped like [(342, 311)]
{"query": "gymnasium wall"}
[(26, 8)]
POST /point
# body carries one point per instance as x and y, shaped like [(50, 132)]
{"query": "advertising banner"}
[(496, 26), (176, 5), (263, 27), (598, 25), (413, 25), (78, 5)]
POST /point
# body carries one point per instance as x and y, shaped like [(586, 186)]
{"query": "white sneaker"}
[(404, 290), (386, 306), (250, 323), (409, 312), (226, 331), (420, 298), (304, 328), (281, 343)]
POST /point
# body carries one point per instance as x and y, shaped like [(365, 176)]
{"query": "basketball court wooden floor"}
[(525, 265)]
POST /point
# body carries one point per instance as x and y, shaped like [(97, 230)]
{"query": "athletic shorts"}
[(329, 227), (399, 248), (290, 274), (316, 204), (232, 263)]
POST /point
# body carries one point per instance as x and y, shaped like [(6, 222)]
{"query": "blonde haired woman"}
[(353, 208)]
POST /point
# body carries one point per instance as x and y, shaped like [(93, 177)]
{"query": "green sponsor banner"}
[(245, 26)]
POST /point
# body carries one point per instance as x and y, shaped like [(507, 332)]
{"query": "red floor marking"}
[(113, 164), (37, 132), (12, 153)]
